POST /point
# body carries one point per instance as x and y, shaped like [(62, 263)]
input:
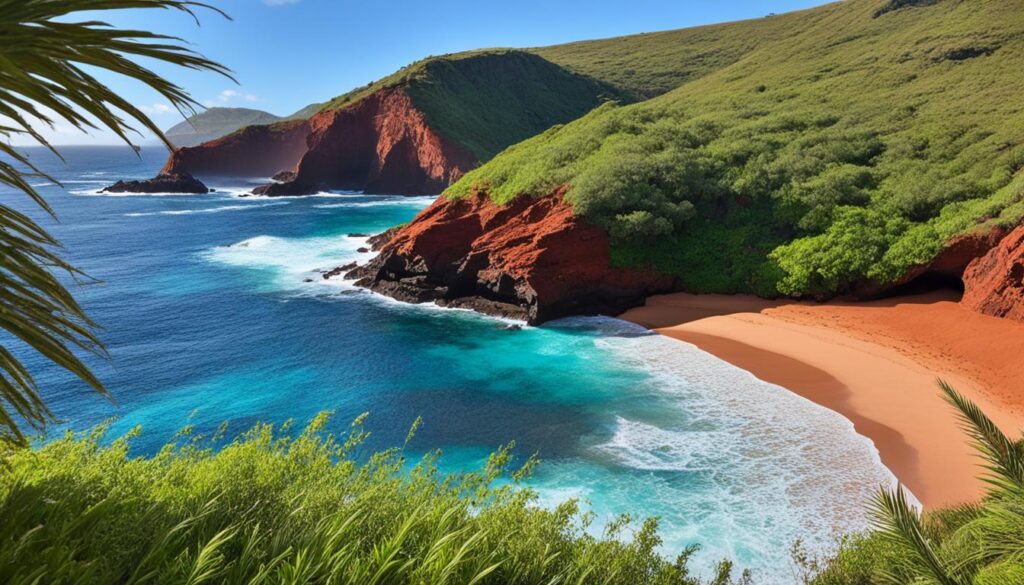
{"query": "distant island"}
[(213, 123)]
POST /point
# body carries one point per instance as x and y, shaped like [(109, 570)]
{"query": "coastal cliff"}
[(414, 132), (381, 144), (531, 259), (534, 259), (254, 151)]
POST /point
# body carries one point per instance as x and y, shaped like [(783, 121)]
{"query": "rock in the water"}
[(162, 183), (358, 235), (339, 270), (283, 176), (362, 249), (289, 189)]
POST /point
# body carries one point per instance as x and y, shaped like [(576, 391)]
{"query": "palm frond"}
[(1004, 458), (43, 80), (897, 521)]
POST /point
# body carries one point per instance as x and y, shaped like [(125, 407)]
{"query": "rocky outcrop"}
[(254, 151), (380, 144), (162, 183), (994, 282), (530, 259)]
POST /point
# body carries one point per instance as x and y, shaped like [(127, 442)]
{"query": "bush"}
[(269, 508)]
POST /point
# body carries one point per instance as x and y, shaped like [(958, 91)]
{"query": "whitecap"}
[(204, 210), (98, 192), (403, 201)]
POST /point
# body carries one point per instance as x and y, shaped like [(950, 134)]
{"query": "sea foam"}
[(740, 466)]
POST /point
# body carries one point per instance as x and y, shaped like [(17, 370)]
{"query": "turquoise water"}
[(208, 318)]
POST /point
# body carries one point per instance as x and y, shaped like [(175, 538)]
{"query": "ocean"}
[(212, 310)]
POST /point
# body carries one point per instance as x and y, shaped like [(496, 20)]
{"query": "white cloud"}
[(229, 96), (157, 109), (279, 2)]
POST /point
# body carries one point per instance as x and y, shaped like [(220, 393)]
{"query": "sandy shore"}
[(877, 364)]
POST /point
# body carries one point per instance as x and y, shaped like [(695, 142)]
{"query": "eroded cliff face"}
[(255, 151), (381, 144), (994, 282), (532, 259)]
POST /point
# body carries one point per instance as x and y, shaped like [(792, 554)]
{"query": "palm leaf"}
[(897, 521), (1004, 458), (43, 80)]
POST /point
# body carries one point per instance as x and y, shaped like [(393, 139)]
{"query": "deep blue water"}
[(208, 318)]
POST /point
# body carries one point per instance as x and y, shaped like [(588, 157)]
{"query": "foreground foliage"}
[(977, 544), (271, 509), (42, 80), (827, 148)]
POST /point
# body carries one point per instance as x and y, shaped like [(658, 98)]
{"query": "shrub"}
[(270, 508)]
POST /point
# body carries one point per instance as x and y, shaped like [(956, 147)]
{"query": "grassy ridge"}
[(487, 101), (267, 508), (647, 65), (848, 145)]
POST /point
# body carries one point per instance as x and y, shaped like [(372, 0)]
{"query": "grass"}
[(276, 506), (842, 144)]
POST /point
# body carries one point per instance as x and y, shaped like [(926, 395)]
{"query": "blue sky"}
[(289, 53)]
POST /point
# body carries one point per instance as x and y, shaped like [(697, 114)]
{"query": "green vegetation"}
[(487, 100), (267, 508), (976, 544), (215, 122), (647, 65), (837, 145), (42, 49)]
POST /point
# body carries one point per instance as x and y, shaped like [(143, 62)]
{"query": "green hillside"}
[(489, 99), (647, 65), (849, 143), (214, 123)]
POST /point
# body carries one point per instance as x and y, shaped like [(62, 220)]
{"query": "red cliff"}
[(530, 259), (380, 144), (994, 283), (254, 151)]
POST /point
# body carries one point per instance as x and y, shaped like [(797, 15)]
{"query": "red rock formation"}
[(380, 144), (531, 259), (254, 151), (994, 283)]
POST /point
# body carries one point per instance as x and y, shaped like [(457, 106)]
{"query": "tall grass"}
[(311, 508)]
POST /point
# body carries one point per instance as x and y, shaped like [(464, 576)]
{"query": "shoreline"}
[(875, 363)]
